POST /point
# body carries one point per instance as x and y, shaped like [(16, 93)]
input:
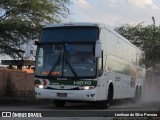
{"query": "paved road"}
[(119, 105), (81, 111), (74, 110)]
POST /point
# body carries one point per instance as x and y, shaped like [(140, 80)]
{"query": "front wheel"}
[(105, 104), (59, 103)]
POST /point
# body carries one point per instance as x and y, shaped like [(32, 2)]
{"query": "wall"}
[(18, 82)]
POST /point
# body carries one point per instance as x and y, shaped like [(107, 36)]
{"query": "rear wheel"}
[(59, 103), (138, 94)]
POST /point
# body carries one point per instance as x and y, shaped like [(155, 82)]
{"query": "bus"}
[(87, 62)]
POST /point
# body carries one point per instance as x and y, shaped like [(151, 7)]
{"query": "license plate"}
[(62, 94)]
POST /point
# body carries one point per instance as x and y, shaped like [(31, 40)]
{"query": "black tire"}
[(138, 93), (59, 103), (105, 104), (110, 95)]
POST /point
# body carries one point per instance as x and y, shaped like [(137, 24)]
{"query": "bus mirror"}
[(28, 48), (98, 53)]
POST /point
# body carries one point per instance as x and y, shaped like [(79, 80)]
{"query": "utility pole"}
[(153, 19), (154, 39)]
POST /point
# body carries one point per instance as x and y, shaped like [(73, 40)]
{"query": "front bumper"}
[(77, 95)]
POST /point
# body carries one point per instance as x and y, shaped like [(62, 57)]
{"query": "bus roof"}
[(75, 24)]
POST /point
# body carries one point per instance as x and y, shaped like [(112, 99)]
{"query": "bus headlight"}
[(40, 86), (86, 87)]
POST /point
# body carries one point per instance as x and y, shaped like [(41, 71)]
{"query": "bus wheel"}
[(138, 93), (110, 94), (59, 103), (106, 104)]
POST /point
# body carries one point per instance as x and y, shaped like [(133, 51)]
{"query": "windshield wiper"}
[(55, 64), (73, 71), (58, 62)]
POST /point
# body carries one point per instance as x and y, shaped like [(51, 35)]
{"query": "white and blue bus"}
[(86, 62)]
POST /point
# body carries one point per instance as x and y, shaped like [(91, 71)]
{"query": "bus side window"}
[(100, 65)]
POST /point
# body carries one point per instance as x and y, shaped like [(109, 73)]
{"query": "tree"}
[(21, 21), (147, 38), (132, 33)]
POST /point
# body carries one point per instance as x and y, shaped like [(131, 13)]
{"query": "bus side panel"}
[(103, 85)]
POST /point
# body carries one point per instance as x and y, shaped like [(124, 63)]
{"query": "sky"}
[(115, 12)]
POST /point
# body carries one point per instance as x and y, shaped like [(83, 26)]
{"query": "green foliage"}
[(147, 38), (132, 33), (37, 82), (21, 21)]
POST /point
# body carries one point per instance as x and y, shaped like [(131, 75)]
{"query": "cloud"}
[(141, 3), (116, 12), (82, 3)]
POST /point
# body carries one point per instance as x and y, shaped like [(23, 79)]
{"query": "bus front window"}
[(67, 52), (49, 58), (70, 60), (82, 60)]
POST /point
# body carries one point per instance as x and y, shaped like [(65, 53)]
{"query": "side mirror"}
[(98, 49), (28, 48)]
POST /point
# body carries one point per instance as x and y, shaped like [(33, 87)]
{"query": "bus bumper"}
[(77, 95)]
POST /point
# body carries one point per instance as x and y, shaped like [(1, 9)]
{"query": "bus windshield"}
[(66, 60)]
